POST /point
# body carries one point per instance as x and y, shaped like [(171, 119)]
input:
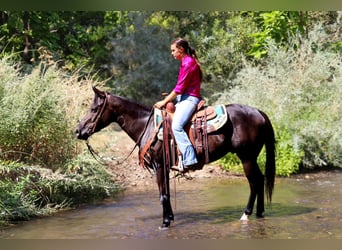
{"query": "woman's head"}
[(179, 47)]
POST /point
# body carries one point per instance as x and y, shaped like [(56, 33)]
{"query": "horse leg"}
[(260, 195), (167, 211), (164, 192), (256, 184)]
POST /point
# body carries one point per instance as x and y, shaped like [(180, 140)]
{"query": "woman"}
[(187, 94)]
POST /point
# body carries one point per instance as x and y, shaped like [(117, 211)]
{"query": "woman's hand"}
[(159, 104), (168, 98)]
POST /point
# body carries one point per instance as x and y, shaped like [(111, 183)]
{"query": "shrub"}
[(300, 89), (31, 191), (288, 156), (38, 149), (39, 111)]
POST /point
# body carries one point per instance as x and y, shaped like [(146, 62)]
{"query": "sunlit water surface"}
[(303, 207)]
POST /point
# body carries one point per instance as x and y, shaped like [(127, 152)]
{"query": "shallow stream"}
[(304, 207)]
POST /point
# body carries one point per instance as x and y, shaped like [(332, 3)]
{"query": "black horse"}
[(246, 131)]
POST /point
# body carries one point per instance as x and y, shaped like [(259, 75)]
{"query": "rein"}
[(140, 137), (94, 154)]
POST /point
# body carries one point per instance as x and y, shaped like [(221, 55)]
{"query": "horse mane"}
[(140, 105)]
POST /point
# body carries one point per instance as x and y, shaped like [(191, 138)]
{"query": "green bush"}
[(300, 89), (288, 157), (38, 149), (20, 193), (39, 111), (31, 191), (90, 181), (33, 127)]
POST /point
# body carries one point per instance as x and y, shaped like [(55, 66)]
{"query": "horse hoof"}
[(164, 227), (260, 216), (244, 217)]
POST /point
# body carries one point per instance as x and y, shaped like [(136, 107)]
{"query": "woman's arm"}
[(170, 97)]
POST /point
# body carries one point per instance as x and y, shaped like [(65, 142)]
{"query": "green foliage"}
[(141, 63), (231, 163), (39, 112), (31, 191), (20, 193), (38, 116), (131, 48), (222, 49), (299, 88), (277, 26), (33, 125), (288, 157), (74, 39), (87, 181)]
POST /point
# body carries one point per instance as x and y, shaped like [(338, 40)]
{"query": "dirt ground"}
[(115, 146)]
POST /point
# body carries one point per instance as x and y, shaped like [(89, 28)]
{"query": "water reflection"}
[(302, 208)]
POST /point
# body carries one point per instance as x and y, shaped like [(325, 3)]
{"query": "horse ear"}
[(97, 91)]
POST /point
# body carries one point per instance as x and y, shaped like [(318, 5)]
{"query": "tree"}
[(278, 26), (74, 39), (141, 64)]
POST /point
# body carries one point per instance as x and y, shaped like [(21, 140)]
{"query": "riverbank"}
[(125, 169)]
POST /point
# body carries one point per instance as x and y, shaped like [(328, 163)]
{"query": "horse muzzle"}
[(81, 134)]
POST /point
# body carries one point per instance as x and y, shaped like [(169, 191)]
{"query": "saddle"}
[(205, 120)]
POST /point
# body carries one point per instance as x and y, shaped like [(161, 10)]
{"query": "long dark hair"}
[(181, 42)]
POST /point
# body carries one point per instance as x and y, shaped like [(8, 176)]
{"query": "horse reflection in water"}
[(246, 131)]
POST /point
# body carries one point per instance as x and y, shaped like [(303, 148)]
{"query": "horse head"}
[(97, 117)]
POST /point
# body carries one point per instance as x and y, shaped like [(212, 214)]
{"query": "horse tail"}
[(270, 167)]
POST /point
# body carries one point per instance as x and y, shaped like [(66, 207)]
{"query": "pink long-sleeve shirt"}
[(189, 77)]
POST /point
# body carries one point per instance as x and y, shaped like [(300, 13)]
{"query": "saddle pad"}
[(158, 117), (220, 119)]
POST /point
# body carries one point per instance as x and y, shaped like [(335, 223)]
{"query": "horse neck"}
[(131, 116)]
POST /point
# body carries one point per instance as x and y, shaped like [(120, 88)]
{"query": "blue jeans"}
[(185, 107)]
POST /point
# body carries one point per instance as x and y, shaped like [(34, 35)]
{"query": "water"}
[(303, 207)]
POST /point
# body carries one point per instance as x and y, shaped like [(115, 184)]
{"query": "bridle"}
[(95, 122), (99, 114)]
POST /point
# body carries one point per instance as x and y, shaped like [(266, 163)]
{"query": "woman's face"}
[(177, 53)]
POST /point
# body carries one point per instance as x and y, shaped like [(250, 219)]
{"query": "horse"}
[(246, 131)]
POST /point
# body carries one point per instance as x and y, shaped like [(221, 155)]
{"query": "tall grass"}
[(42, 165), (300, 89), (39, 112)]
